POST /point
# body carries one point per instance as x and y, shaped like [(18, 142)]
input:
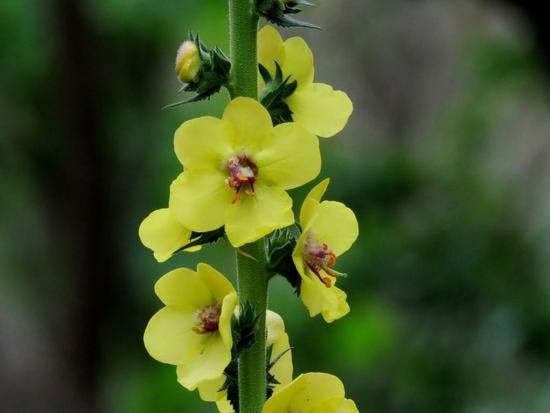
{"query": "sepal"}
[(274, 92), (278, 12), (279, 245), (201, 238)]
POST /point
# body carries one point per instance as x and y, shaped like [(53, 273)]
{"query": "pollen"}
[(320, 259), (242, 174), (207, 319)]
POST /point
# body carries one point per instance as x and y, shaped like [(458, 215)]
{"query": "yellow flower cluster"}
[(236, 171)]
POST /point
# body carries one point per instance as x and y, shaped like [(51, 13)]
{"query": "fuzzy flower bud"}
[(188, 61)]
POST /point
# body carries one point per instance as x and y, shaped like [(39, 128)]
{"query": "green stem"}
[(252, 363), (243, 29), (252, 277)]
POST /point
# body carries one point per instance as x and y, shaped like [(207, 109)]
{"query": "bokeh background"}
[(446, 162)]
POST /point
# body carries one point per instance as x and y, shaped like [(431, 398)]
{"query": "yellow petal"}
[(169, 337), (224, 324), (199, 200), (224, 406), (282, 369), (320, 109), (336, 405), (208, 364), (312, 199), (163, 234), (217, 283), (185, 289), (290, 157), (203, 143), (251, 122), (304, 393), (330, 302), (209, 389), (252, 217), (336, 225), (298, 62), (275, 326), (270, 48)]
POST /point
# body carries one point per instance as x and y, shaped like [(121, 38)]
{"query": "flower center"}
[(208, 319), (242, 175), (320, 259)]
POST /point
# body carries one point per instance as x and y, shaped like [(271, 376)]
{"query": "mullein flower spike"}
[(315, 106)]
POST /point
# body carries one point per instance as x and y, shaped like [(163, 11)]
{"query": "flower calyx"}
[(278, 11), (274, 92), (280, 245), (203, 71)]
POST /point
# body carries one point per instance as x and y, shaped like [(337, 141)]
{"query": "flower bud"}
[(188, 61)]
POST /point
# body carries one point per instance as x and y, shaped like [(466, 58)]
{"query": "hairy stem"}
[(252, 277)]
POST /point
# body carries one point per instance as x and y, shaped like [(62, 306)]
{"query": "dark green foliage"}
[(201, 238), (275, 91), (278, 11), (279, 245)]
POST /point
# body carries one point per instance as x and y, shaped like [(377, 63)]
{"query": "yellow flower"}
[(311, 393), (193, 330), (163, 234), (237, 170), (281, 370), (329, 229), (188, 61), (316, 106)]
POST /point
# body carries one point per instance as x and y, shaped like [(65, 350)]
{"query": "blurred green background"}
[(445, 162)]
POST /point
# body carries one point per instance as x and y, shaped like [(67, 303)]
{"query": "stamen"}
[(320, 258), (242, 174), (208, 319)]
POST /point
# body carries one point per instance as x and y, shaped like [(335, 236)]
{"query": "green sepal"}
[(280, 245), (277, 11), (274, 92), (201, 238), (213, 74)]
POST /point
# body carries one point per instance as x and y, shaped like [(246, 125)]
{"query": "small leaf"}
[(201, 238), (266, 76)]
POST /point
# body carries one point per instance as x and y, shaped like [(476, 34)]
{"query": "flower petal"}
[(282, 369), (305, 392), (335, 224), (270, 48), (251, 122), (330, 302), (209, 389), (298, 61), (199, 200), (275, 326), (169, 337), (336, 405), (217, 283), (224, 324), (317, 387), (252, 217), (320, 109), (290, 157), (208, 364), (312, 199), (163, 234), (203, 143), (185, 289)]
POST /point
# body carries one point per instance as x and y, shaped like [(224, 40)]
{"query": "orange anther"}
[(332, 259), (327, 282), (236, 197)]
